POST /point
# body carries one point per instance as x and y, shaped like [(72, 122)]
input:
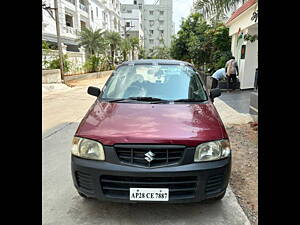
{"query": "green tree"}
[(192, 32), (92, 64), (160, 52), (221, 43), (92, 41), (125, 48), (201, 43), (142, 53), (216, 8), (134, 42), (55, 63), (114, 40)]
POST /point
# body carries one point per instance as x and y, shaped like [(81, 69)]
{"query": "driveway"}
[(62, 112), (238, 100)]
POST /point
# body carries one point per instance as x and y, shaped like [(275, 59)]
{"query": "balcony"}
[(83, 7), (70, 31)]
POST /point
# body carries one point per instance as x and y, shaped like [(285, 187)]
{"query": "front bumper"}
[(193, 182)]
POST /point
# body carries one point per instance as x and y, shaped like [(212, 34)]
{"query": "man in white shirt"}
[(218, 75), (232, 71)]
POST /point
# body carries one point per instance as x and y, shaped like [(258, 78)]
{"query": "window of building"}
[(151, 22), (115, 23), (151, 12), (71, 1), (151, 32), (127, 24), (97, 11), (82, 24), (129, 11), (92, 15), (161, 22), (161, 13), (151, 41), (69, 20), (161, 32), (134, 2)]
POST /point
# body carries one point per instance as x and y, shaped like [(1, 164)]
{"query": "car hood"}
[(186, 124)]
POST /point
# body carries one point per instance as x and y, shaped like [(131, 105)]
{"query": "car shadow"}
[(144, 213)]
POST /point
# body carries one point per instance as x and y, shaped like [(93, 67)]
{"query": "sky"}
[(181, 8)]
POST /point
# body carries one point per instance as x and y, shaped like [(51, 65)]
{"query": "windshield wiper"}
[(146, 99), (188, 100)]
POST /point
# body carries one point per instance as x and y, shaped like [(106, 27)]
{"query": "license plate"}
[(149, 194)]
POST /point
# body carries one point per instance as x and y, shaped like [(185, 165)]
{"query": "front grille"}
[(84, 181), (179, 187), (160, 155), (214, 184)]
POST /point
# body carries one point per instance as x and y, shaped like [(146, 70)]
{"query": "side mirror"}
[(93, 91), (216, 92)]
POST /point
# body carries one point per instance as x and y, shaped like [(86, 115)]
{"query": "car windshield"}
[(165, 82)]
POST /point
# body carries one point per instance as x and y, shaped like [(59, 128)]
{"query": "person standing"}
[(232, 71), (218, 75)]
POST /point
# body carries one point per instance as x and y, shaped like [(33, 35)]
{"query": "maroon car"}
[(153, 134)]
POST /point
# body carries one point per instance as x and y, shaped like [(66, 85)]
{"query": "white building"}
[(131, 22), (75, 14), (241, 24), (152, 21)]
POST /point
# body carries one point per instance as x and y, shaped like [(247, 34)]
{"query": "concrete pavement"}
[(230, 115), (238, 100), (62, 112)]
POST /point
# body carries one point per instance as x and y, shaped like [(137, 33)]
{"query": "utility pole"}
[(56, 18), (59, 41)]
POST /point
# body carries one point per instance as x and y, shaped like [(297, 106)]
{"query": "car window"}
[(170, 82)]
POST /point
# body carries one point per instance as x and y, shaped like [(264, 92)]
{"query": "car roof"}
[(156, 62)]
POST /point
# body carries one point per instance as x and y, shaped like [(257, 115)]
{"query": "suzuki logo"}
[(149, 156)]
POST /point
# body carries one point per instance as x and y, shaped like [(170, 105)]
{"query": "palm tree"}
[(92, 41), (134, 42), (125, 47), (217, 8), (114, 40)]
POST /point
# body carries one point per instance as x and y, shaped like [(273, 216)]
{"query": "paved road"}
[(238, 100), (62, 112)]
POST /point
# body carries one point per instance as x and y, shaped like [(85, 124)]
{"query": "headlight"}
[(87, 148), (213, 150)]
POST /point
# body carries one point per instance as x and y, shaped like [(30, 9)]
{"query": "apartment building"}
[(131, 22), (76, 14), (155, 21)]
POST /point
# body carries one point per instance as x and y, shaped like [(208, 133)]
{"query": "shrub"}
[(45, 45), (92, 64), (106, 64), (55, 64)]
